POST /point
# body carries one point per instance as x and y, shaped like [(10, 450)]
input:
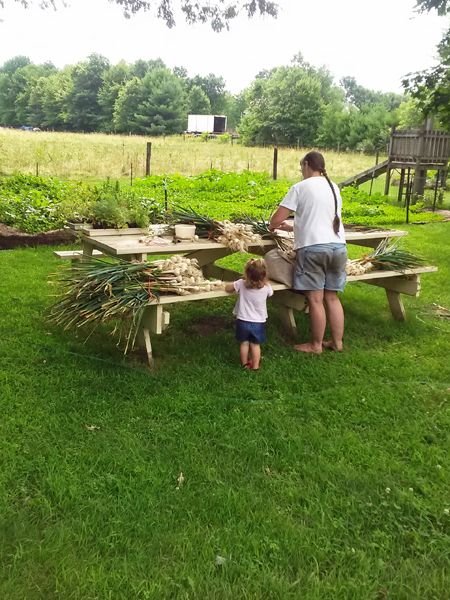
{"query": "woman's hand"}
[(278, 218), (285, 226)]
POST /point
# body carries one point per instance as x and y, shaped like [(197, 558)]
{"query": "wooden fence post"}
[(148, 159), (275, 162)]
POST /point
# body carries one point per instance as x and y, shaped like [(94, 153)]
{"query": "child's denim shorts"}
[(320, 267), (247, 331)]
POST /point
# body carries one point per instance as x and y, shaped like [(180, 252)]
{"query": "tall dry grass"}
[(97, 156)]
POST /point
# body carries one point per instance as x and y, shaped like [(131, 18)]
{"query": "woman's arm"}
[(278, 218)]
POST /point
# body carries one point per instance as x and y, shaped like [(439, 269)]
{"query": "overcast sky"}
[(376, 42)]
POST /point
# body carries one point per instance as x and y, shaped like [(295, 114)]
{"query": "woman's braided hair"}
[(316, 162)]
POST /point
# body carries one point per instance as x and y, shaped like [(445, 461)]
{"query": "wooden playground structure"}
[(412, 153)]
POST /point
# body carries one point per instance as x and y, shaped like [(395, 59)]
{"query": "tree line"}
[(298, 104)]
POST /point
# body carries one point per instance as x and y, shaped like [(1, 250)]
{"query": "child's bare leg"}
[(255, 351), (244, 352)]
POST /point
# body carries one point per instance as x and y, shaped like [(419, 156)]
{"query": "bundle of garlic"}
[(181, 275), (99, 291), (358, 267), (237, 236)]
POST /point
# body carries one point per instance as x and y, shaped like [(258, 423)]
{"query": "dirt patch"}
[(13, 238), (210, 325)]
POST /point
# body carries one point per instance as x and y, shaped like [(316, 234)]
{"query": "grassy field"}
[(316, 478), (97, 156)]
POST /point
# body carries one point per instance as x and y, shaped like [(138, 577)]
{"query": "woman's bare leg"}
[(317, 323), (335, 314)]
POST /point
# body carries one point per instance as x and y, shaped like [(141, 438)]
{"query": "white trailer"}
[(207, 124)]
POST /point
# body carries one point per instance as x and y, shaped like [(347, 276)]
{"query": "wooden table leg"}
[(154, 320), (147, 343), (396, 305), (394, 287), (88, 250), (288, 320), (288, 301)]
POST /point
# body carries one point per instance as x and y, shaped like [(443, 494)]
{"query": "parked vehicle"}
[(206, 124)]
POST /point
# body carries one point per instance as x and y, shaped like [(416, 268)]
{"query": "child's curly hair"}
[(255, 273)]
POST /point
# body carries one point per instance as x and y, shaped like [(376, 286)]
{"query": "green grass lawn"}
[(319, 477)]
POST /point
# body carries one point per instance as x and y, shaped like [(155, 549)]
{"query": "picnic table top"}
[(122, 242)]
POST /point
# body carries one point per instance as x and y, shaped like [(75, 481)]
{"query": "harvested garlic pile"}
[(183, 276), (238, 236), (356, 267)]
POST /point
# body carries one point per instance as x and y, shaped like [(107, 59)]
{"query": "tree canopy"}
[(218, 13), (441, 6), (431, 88), (295, 104)]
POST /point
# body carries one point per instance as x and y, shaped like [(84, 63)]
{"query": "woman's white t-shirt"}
[(312, 201), (251, 302)]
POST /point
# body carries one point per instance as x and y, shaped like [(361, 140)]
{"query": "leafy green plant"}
[(34, 204)]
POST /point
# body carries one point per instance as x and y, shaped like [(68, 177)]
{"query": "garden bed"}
[(13, 238)]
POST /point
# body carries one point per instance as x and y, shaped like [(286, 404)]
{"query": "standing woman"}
[(321, 253)]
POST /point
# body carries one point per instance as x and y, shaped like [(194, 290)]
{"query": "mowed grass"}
[(98, 156), (316, 478)]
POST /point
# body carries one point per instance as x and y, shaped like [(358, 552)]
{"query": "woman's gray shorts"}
[(320, 267)]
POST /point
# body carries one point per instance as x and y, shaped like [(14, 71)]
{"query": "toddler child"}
[(251, 311)]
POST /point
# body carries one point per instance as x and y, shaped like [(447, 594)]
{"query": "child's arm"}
[(229, 287)]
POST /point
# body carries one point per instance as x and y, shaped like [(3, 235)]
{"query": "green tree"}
[(153, 105), (235, 107), (214, 88), (83, 107), (51, 98), (141, 67), (31, 74), (409, 114), (431, 88), (126, 106), (13, 82), (198, 102), (359, 96), (114, 79), (162, 109), (286, 105)]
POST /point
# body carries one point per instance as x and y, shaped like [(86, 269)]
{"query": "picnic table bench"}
[(126, 244)]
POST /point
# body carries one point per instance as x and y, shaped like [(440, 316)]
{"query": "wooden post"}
[(37, 169), (275, 162), (388, 181), (408, 195), (373, 176), (388, 170), (435, 190), (401, 185), (131, 173), (420, 174), (148, 159)]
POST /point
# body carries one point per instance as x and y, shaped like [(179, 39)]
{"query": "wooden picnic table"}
[(126, 244)]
